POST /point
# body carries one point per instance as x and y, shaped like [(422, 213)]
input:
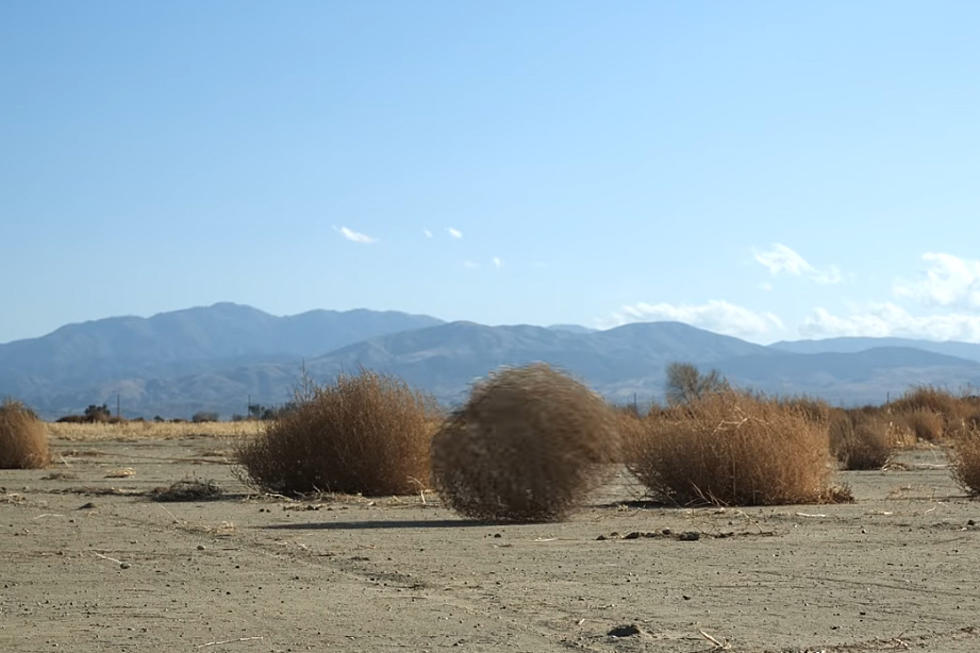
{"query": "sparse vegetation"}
[(529, 444), (860, 441), (925, 424), (729, 448), (366, 434), (964, 456), (23, 438)]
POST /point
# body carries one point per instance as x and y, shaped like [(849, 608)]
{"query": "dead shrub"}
[(861, 441), (964, 458), (23, 438), (529, 444), (365, 434), (734, 449), (925, 424)]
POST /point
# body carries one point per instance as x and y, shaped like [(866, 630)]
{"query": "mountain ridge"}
[(216, 358)]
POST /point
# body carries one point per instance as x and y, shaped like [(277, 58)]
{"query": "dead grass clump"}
[(928, 398), (529, 444), (925, 424), (964, 458), (817, 411), (365, 434), (187, 490), (734, 449), (861, 441), (23, 438)]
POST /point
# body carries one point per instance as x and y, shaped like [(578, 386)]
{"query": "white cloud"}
[(497, 263), (470, 265), (428, 234), (888, 319), (715, 315), (355, 236), (947, 281), (780, 259), (455, 233), (765, 286)]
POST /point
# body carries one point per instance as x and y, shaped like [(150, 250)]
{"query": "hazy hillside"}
[(220, 357), (966, 350)]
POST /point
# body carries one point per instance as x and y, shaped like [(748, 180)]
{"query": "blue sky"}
[(767, 170)]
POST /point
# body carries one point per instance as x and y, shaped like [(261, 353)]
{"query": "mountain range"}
[(222, 357)]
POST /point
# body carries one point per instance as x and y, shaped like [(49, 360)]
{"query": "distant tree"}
[(204, 416), (685, 383), (95, 413)]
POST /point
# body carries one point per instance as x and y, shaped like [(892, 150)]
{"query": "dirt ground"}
[(90, 563)]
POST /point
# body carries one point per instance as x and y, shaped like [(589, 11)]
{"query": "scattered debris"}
[(685, 536), (122, 472), (626, 630), (60, 476), (187, 490)]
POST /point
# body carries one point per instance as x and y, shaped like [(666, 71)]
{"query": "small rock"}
[(200, 547), (632, 536), (689, 536), (86, 506), (971, 522), (124, 565), (602, 537), (626, 630)]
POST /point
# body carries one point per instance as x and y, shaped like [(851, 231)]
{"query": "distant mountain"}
[(572, 328), (195, 340), (221, 357), (965, 350)]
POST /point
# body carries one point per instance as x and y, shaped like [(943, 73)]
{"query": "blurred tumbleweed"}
[(529, 444)]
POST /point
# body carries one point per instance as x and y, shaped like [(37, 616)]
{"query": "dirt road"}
[(89, 563)]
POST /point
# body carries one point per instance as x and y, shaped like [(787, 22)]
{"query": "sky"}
[(768, 170)]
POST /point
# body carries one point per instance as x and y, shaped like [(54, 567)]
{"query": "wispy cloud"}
[(780, 259), (715, 315), (355, 236), (947, 281), (455, 233), (497, 263), (428, 234), (888, 319), (470, 265)]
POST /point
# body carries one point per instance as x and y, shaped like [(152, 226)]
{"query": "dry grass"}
[(861, 441), (139, 430), (365, 434), (734, 449), (964, 457), (924, 423), (928, 398), (529, 444), (23, 440)]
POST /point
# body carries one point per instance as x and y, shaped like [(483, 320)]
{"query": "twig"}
[(810, 514), (717, 645), (229, 641), (47, 514), (105, 557)]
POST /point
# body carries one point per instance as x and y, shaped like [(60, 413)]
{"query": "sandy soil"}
[(89, 563)]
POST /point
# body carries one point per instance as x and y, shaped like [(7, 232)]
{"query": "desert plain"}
[(89, 562)]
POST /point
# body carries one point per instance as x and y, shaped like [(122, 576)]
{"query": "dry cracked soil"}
[(88, 562)]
